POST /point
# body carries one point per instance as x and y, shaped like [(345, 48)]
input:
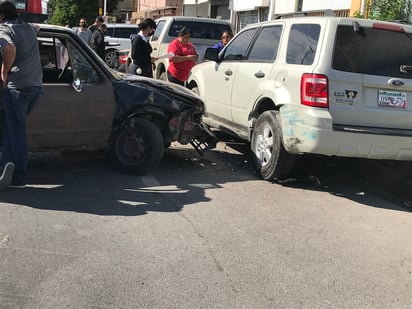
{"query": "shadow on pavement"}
[(85, 183), (351, 178)]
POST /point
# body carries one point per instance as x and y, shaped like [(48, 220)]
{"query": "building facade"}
[(241, 12)]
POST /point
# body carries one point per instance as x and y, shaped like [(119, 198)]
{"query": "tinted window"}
[(200, 30), (123, 32), (109, 32), (302, 44), (238, 46), (266, 46), (159, 28), (383, 52)]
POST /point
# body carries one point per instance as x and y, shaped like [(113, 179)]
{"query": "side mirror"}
[(211, 54)]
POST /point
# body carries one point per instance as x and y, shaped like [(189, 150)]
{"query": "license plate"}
[(392, 99)]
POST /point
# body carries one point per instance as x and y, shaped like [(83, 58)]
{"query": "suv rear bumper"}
[(310, 130)]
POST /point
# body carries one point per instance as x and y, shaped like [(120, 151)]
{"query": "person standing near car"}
[(226, 37), (21, 78), (184, 58), (97, 23), (83, 32), (98, 43), (142, 62)]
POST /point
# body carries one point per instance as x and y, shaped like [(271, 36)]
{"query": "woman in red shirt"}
[(184, 57)]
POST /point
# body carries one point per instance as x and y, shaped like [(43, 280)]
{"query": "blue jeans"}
[(16, 104)]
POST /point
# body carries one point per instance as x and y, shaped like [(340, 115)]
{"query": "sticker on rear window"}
[(392, 99)]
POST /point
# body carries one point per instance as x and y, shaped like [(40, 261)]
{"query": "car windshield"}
[(200, 30)]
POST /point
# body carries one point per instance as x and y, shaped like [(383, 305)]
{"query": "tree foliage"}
[(69, 12), (389, 9)]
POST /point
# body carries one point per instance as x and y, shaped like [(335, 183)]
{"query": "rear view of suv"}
[(313, 85)]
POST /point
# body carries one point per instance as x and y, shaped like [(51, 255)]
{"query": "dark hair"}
[(9, 10), (99, 19), (184, 31), (146, 23), (228, 32)]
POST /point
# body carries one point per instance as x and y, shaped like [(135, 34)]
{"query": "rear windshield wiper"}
[(405, 68)]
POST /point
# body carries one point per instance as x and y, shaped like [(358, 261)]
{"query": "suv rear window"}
[(200, 30), (372, 51)]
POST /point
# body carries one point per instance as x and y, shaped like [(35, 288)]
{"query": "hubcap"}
[(109, 59), (264, 145), (133, 147)]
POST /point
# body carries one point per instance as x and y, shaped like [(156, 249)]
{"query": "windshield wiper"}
[(405, 68)]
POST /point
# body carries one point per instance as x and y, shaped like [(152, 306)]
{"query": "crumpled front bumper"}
[(196, 133)]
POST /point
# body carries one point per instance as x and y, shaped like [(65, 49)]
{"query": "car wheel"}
[(163, 76), (110, 58), (271, 159), (138, 149)]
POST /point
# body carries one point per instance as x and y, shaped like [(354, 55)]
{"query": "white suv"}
[(312, 85), (117, 38)]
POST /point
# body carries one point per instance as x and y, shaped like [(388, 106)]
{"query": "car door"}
[(64, 116), (156, 38), (220, 78), (253, 75)]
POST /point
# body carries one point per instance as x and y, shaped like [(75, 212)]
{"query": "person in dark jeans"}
[(21, 78), (142, 62), (98, 43)]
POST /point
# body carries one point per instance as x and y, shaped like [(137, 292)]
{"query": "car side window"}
[(266, 46), (302, 44), (159, 28), (109, 32), (238, 47), (125, 32), (54, 58), (82, 68)]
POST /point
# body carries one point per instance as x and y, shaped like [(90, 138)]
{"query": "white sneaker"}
[(5, 178)]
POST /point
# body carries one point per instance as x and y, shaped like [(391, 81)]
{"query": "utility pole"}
[(105, 8)]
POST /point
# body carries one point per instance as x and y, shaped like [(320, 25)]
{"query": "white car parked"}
[(312, 85)]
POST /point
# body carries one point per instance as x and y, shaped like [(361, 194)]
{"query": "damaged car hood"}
[(141, 93)]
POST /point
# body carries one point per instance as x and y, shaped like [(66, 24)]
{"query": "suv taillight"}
[(123, 59), (314, 90)]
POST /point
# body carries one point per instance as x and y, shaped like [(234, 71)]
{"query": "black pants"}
[(174, 80)]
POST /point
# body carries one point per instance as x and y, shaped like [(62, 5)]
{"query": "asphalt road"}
[(201, 233)]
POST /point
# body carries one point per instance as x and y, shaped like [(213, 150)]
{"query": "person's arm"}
[(9, 55), (176, 58)]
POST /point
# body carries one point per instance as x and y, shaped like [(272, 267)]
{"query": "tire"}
[(110, 57), (271, 159), (163, 76), (138, 149)]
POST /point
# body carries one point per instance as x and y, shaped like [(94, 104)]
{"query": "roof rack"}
[(340, 13)]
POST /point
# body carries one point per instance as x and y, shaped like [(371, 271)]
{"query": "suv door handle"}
[(260, 74), (228, 72)]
